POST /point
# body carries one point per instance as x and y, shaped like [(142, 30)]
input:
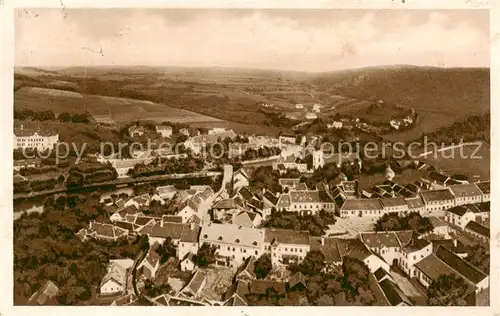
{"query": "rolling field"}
[(121, 109)]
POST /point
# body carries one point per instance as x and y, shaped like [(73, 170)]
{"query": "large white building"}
[(34, 138), (235, 243)]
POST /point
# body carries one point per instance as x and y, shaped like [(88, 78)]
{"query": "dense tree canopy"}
[(447, 290)]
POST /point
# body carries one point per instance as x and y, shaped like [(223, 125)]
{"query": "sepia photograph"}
[(251, 157)]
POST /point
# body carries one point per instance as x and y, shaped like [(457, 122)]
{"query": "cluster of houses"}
[(230, 221)]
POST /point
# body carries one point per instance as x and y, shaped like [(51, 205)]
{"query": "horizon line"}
[(250, 68)]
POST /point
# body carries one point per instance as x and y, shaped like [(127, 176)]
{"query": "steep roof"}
[(308, 196), (484, 186), (437, 195), (284, 201), (189, 234), (380, 239), (261, 287), (353, 248), (172, 230), (416, 244), (116, 273), (461, 266), (232, 234), (271, 197), (441, 178), (465, 190), (329, 248), (247, 266), (393, 294), (296, 279), (478, 228), (286, 236), (459, 210), (433, 267), (48, 291), (239, 288), (195, 283), (404, 236)]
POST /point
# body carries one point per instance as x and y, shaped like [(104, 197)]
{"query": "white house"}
[(361, 207), (115, 280), (135, 131), (485, 189), (436, 200), (444, 261), (34, 138), (188, 263), (149, 266), (286, 246), (385, 244), (311, 116), (394, 205), (459, 216), (414, 252), (354, 248), (234, 243), (240, 179), (335, 124), (164, 131)]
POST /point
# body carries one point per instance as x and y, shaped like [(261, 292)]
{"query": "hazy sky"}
[(307, 40)]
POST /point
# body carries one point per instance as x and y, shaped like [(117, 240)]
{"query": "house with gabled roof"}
[(354, 248), (46, 295), (246, 272), (436, 200), (467, 193), (444, 261), (415, 251), (194, 286), (240, 179), (478, 230), (149, 265), (386, 244), (115, 280), (286, 246), (136, 131), (188, 208), (393, 293), (104, 232), (236, 294), (188, 263), (235, 243), (484, 186), (330, 249), (459, 215), (246, 218), (297, 281)]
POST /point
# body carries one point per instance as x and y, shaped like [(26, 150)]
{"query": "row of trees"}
[(413, 221), (49, 115), (315, 224)]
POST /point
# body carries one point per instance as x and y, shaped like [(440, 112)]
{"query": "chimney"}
[(454, 242), (322, 241), (161, 223), (22, 127), (191, 226)]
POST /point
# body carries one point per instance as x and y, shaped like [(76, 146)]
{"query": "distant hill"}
[(441, 96)]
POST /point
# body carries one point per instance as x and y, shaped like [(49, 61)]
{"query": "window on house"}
[(256, 253)]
